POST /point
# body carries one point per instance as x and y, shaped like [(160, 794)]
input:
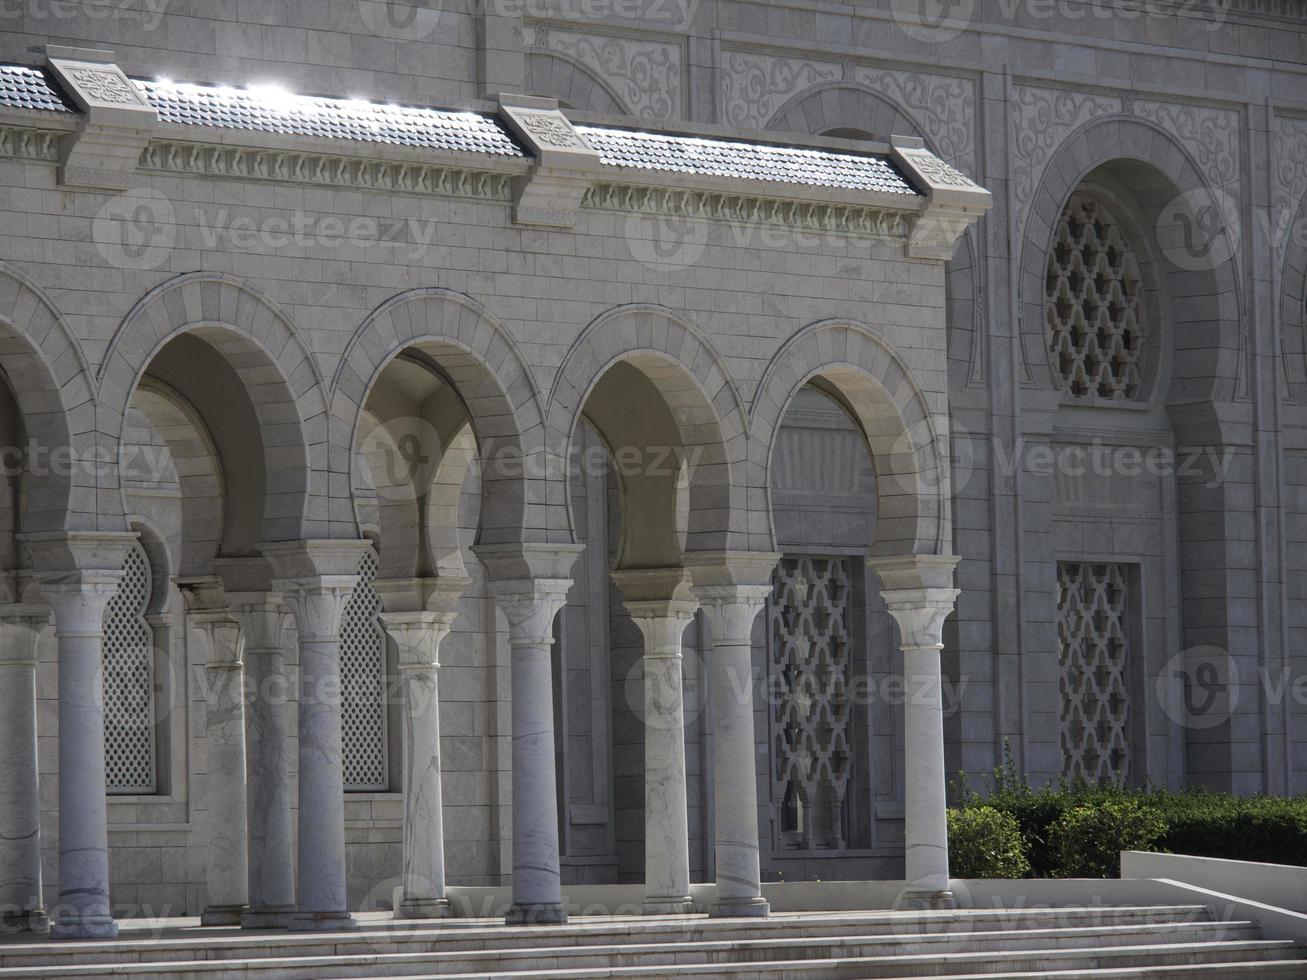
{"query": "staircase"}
[(1172, 941)]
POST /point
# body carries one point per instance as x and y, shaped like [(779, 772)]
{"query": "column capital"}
[(418, 636), (20, 624), (908, 572), (262, 617), (530, 606), (919, 594), (318, 604)]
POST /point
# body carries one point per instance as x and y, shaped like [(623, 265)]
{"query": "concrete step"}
[(381, 936), (623, 956)]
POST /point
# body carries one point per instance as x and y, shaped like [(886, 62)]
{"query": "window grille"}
[(364, 734), (810, 711), (1092, 306), (129, 749), (1094, 650)]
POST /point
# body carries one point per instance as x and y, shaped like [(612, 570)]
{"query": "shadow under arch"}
[(52, 440), (459, 341), (661, 400), (906, 437), (243, 368)]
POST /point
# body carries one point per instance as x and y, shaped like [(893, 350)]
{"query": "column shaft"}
[(321, 901), (227, 866), (270, 861), (20, 802), (666, 810), (417, 637), (83, 910)]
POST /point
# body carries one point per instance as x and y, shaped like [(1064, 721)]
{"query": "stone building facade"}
[(682, 420)]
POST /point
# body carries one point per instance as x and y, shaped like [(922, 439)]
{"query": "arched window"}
[(1092, 306), (129, 738), (364, 729)]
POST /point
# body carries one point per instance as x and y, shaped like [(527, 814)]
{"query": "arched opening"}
[(1140, 352), (823, 634)]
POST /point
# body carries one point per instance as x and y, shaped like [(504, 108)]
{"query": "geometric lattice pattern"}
[(1094, 650), (363, 685), (811, 713), (1092, 306), (129, 681)]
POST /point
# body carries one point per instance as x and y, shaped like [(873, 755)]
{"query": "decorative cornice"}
[(20, 143), (848, 219), (198, 159)]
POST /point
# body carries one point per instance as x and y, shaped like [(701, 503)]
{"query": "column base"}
[(90, 927), (664, 905), (423, 908), (926, 900), (267, 917), (321, 922), (741, 908), (34, 920), (223, 915), (536, 914)]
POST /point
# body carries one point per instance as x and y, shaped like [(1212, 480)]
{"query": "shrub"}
[(985, 843), (1086, 841)]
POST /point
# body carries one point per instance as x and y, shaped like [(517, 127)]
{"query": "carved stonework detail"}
[(1290, 148), (318, 168), (29, 144), (943, 108), (754, 86), (1092, 311), (811, 715), (1093, 640), (837, 218), (550, 129), (1044, 117), (645, 74), (1210, 135), (105, 85)]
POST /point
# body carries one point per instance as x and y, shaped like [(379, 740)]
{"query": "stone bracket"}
[(564, 166), (954, 202), (116, 120)]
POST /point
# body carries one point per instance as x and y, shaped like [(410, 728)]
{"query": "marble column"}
[(270, 876), (530, 603), (226, 861), (21, 904), (733, 588), (417, 636), (918, 594), (316, 579), (79, 573), (660, 604)]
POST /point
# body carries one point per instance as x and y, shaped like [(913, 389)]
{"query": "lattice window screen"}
[(1094, 648), (363, 686), (1092, 305), (129, 754), (810, 710)]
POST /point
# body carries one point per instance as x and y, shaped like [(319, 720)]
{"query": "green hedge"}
[(1067, 830)]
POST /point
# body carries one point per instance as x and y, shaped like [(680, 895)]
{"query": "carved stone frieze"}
[(644, 73), (754, 86)]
